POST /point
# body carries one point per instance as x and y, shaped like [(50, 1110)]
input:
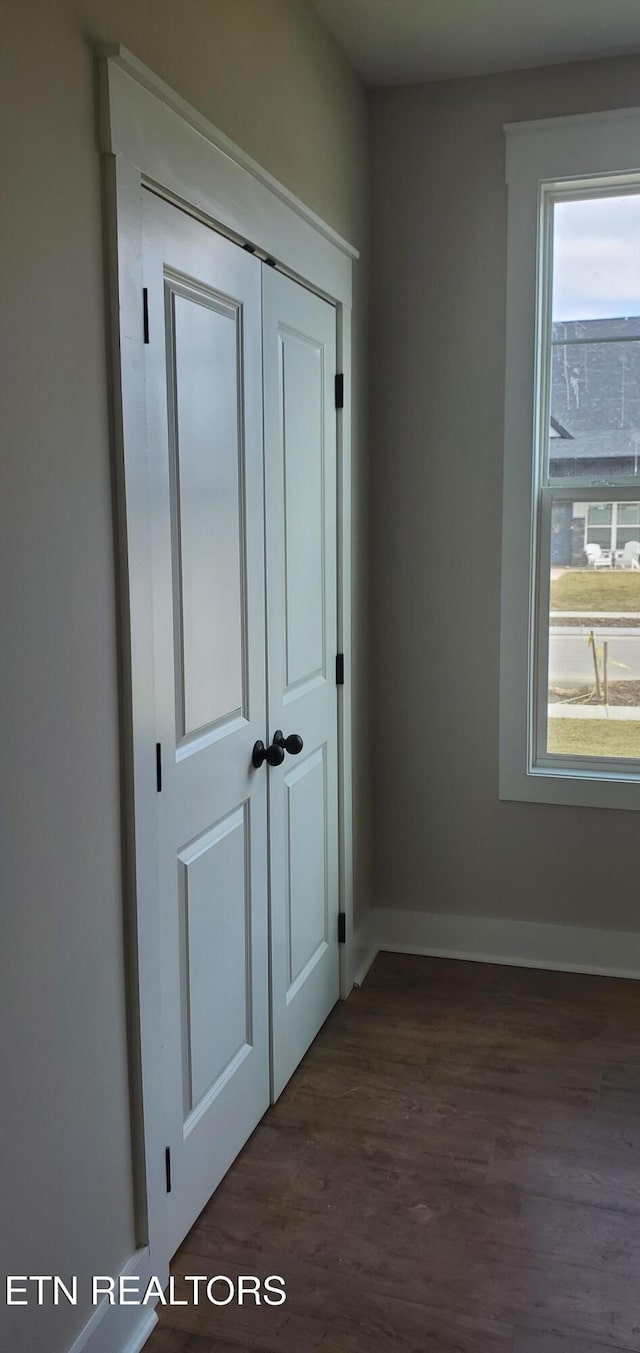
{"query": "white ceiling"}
[(405, 41)]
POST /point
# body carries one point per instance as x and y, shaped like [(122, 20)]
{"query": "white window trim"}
[(540, 158)]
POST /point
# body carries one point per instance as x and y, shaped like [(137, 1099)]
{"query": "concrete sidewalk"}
[(594, 615), (571, 655), (602, 631), (627, 712)]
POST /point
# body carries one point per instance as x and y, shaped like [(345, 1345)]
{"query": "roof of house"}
[(595, 389)]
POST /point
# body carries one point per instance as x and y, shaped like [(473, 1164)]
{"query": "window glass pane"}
[(596, 263), (594, 429), (627, 535), (600, 535), (629, 513), (600, 514), (593, 686)]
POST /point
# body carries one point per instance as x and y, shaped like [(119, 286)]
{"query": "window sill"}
[(573, 788)]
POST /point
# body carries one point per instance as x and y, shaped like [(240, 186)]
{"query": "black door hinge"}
[(159, 767), (340, 391), (342, 928), (339, 669), (167, 1166), (145, 314)]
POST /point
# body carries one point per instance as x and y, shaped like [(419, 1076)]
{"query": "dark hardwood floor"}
[(454, 1166)]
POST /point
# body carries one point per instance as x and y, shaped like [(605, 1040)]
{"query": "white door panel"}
[(299, 360), (204, 397), (205, 337), (213, 899), (302, 367), (305, 849)]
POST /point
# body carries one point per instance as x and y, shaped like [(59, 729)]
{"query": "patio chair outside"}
[(629, 557), (597, 557)]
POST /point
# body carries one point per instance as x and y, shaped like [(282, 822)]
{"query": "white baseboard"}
[(524, 944), (365, 947), (121, 1329)]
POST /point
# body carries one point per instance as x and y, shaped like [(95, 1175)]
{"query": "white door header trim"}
[(148, 124)]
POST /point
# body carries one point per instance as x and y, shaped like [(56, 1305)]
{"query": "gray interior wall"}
[(268, 75), (442, 839)]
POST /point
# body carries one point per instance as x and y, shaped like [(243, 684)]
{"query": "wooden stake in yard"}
[(592, 641), (605, 667)]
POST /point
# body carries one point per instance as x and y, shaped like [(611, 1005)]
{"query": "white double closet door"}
[(240, 366)]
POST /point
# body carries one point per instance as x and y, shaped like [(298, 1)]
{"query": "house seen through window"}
[(592, 478)]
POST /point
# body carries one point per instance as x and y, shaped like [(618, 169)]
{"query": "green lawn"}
[(585, 590), (594, 737)]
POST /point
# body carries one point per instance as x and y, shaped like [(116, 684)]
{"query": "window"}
[(570, 663), (610, 525)]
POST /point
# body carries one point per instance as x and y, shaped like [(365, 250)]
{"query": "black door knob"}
[(293, 744), (273, 755)]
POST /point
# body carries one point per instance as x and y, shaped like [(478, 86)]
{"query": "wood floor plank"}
[(448, 1204), (329, 1310), (460, 1275), (553, 1341), (454, 1166), (599, 1179), (167, 1340)]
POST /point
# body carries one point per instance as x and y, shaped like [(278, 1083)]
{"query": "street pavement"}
[(571, 656)]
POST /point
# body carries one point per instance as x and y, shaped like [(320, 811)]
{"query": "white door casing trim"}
[(150, 137), (180, 154)]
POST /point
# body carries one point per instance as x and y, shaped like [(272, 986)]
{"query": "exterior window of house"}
[(570, 674), (611, 525), (598, 525)]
